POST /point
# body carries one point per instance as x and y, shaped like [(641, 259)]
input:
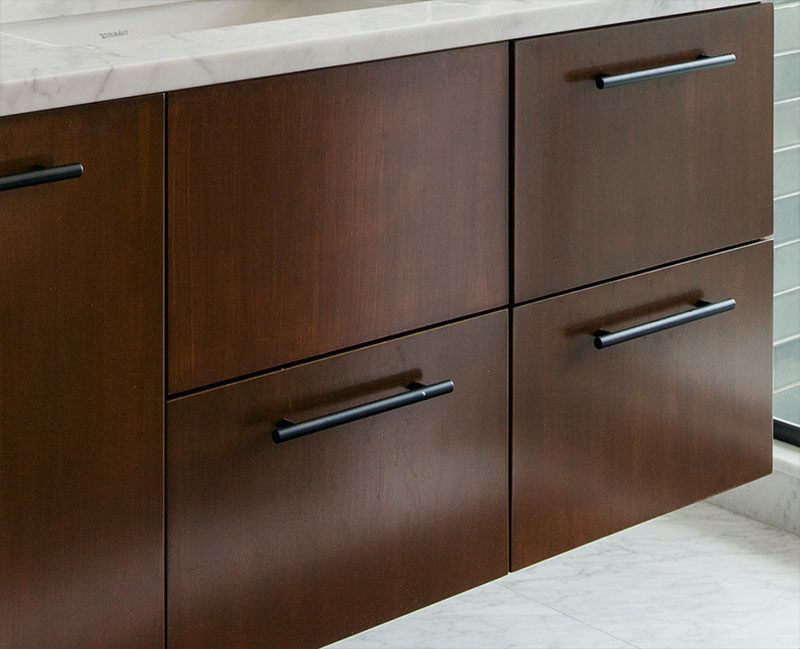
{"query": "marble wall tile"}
[(786, 318), (787, 27), (773, 499), (787, 167), (786, 404), (787, 122), (787, 363), (787, 267), (787, 218), (786, 459), (787, 80)]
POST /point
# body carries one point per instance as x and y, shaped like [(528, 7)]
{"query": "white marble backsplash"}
[(12, 11)]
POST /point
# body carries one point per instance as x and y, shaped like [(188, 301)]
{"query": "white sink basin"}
[(145, 22)]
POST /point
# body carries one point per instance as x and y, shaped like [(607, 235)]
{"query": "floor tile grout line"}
[(786, 388), (786, 291), (787, 147), (789, 242), (572, 617), (780, 197), (707, 635), (740, 626), (786, 339)]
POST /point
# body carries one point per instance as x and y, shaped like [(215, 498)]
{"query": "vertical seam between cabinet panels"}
[(511, 287), (164, 347)]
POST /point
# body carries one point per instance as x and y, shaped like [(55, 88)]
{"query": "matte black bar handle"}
[(286, 430), (40, 175), (702, 310), (702, 62)]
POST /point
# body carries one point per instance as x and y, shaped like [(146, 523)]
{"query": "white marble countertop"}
[(35, 76)]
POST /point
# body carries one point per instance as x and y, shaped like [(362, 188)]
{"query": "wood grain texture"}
[(604, 439), (608, 182), (301, 543), (310, 212), (81, 381)]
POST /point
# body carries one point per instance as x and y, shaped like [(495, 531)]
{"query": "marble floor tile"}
[(491, 616), (698, 578), (686, 579), (710, 537), (778, 629)]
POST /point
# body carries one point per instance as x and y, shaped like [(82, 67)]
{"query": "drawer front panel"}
[(608, 182), (315, 211), (300, 543), (81, 378), (606, 438)]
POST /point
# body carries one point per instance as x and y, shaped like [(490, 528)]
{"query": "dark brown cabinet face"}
[(301, 543), (606, 438), (608, 182), (315, 211), (81, 380), (325, 211)]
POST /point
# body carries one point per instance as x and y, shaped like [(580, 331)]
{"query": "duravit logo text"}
[(114, 34)]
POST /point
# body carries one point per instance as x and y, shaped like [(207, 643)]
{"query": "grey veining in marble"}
[(700, 577), (773, 499), (683, 580), (489, 616), (35, 75)]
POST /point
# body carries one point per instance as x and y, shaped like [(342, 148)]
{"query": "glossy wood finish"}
[(314, 211), (612, 181), (301, 543), (81, 381), (604, 439)]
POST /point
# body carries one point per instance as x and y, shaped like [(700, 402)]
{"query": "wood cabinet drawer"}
[(300, 543), (81, 378), (611, 181), (311, 212), (606, 438)]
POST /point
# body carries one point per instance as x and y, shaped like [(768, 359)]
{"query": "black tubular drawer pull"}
[(40, 175), (286, 430), (701, 63), (702, 310)]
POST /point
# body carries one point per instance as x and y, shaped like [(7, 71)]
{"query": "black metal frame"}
[(786, 431)]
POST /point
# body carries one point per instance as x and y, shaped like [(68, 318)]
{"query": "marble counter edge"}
[(36, 76)]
